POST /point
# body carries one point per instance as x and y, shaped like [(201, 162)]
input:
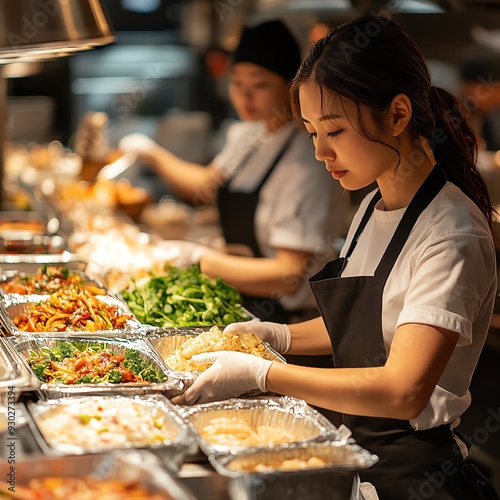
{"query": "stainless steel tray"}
[(29, 263), (336, 480), (168, 340), (177, 441), (292, 415), (171, 387), (129, 466), (14, 305), (14, 375)]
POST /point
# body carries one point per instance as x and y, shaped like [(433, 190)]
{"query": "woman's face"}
[(333, 125), (257, 93)]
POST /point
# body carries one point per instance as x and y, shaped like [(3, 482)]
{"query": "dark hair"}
[(372, 59)]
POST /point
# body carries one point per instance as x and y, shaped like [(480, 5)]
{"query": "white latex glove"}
[(232, 374), (181, 253), (278, 336), (137, 143)]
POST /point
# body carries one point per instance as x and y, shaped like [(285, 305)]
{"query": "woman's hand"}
[(182, 253), (231, 374), (139, 144), (278, 336)]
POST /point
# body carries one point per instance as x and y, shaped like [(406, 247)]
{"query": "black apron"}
[(413, 464), (237, 218)]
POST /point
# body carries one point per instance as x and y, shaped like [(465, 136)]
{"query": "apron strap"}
[(277, 159), (427, 192), (252, 151), (362, 224)]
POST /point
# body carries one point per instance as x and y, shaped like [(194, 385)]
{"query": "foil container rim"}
[(191, 375), (221, 461), (171, 383), (183, 439), (19, 376), (284, 404), (9, 300), (107, 464)]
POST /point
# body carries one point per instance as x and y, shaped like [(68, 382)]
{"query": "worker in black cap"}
[(279, 211)]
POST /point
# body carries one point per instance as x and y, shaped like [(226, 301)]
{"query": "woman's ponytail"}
[(455, 148)]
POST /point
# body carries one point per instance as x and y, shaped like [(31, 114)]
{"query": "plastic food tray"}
[(171, 450), (171, 387), (291, 414), (167, 341), (14, 305), (129, 466), (336, 480)]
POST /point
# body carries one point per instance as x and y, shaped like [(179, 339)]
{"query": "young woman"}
[(279, 213), (406, 308)]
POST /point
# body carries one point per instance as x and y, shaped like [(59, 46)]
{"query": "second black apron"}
[(413, 464), (237, 211)]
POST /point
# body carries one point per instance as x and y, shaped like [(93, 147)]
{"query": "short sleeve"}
[(449, 283)]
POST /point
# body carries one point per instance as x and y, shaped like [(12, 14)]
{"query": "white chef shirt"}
[(445, 276), (300, 206)]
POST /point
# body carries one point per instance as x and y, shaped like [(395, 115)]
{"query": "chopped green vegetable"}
[(185, 297)]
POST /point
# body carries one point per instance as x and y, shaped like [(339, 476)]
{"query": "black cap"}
[(271, 46)]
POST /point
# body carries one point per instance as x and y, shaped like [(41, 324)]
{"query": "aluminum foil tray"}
[(336, 480), (294, 416), (139, 466), (14, 375), (29, 263), (11, 275), (166, 343), (171, 387), (14, 305), (83, 427)]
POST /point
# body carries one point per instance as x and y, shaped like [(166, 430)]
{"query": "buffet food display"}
[(98, 339)]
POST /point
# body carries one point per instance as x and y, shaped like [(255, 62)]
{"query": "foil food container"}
[(337, 479), (14, 375), (13, 305), (168, 341), (29, 263), (14, 274), (170, 387), (139, 466), (295, 416), (171, 450)]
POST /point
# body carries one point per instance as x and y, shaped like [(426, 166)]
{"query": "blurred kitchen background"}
[(165, 76)]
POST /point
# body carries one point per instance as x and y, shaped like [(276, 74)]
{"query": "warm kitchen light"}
[(40, 30)]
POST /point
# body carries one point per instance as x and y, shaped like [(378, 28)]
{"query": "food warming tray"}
[(177, 437), (129, 466), (170, 387), (303, 422), (13, 305), (165, 342), (336, 479)]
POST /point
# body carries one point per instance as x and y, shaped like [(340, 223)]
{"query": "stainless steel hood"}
[(44, 29)]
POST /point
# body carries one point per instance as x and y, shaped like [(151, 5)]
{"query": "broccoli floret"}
[(86, 379), (39, 367), (133, 360), (66, 350), (113, 376)]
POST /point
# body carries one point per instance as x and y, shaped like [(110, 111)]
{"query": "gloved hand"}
[(138, 143), (181, 253), (277, 335), (232, 374)]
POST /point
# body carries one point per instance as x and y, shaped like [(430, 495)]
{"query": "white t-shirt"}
[(300, 206), (445, 276)]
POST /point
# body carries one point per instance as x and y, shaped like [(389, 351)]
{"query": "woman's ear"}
[(398, 114)]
